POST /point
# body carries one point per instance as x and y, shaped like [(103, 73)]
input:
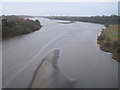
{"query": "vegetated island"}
[(109, 37), (16, 25)]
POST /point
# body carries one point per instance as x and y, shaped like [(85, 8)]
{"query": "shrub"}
[(12, 26)]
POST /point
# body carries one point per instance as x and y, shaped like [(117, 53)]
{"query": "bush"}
[(101, 37), (13, 26)]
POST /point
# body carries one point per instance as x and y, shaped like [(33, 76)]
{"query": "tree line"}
[(113, 19)]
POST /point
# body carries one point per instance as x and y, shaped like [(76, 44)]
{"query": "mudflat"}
[(49, 74)]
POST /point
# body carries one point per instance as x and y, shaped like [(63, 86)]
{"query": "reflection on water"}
[(80, 59)]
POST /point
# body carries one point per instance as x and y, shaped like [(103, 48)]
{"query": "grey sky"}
[(60, 8)]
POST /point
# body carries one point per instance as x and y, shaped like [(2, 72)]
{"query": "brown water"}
[(80, 58)]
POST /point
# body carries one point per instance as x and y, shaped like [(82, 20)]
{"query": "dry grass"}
[(111, 32), (108, 41)]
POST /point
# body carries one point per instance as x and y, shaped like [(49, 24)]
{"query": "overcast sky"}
[(60, 8), (60, 0)]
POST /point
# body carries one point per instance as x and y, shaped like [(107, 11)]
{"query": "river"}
[(80, 57)]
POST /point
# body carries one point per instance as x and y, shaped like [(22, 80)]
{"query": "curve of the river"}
[(80, 58)]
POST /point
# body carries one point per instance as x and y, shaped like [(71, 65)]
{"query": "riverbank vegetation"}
[(15, 25), (113, 19), (109, 41)]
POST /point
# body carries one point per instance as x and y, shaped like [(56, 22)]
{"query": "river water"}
[(80, 58)]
